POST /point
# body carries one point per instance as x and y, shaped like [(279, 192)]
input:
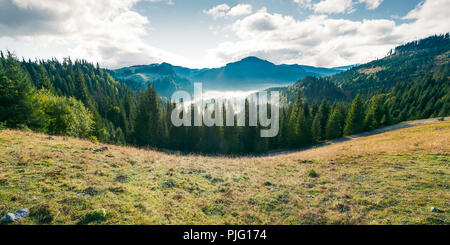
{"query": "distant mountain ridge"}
[(250, 73)]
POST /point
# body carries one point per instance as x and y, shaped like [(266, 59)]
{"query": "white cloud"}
[(218, 11), (223, 10), (240, 9), (107, 31), (428, 18), (334, 6), (371, 4), (323, 41), (114, 34)]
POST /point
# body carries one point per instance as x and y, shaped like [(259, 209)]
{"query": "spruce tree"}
[(147, 125), (16, 96), (43, 80), (334, 127), (355, 119)]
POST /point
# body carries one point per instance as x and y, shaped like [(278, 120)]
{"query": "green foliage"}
[(312, 173), (2, 126), (148, 125), (94, 139), (23, 127), (62, 115), (377, 114), (355, 119), (335, 124), (16, 92)]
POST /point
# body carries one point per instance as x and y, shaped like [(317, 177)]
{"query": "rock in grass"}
[(435, 210), (18, 215), (105, 148)]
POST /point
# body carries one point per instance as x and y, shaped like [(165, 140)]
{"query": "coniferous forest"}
[(80, 99)]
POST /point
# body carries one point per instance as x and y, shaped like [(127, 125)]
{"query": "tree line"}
[(80, 99)]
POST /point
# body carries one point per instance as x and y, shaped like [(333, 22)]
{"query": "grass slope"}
[(391, 178)]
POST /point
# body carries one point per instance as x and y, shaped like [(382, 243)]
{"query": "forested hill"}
[(409, 63), (71, 97)]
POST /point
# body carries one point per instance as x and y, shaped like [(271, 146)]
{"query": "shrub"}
[(23, 127), (312, 173), (94, 139), (2, 126), (62, 115)]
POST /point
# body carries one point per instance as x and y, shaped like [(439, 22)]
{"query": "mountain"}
[(247, 74), (409, 63), (162, 76)]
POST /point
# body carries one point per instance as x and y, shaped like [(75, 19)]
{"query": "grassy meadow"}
[(390, 178)]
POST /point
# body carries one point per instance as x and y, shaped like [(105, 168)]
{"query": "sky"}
[(211, 33)]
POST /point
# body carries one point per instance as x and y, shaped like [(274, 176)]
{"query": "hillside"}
[(390, 178), (165, 79), (247, 74), (405, 65)]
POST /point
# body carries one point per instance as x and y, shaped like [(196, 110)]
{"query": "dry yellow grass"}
[(391, 178)]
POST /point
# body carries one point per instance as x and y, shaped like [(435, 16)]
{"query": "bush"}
[(62, 115), (312, 173), (2, 126), (94, 139), (23, 127)]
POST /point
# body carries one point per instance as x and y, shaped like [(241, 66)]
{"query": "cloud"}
[(107, 31), (169, 2), (323, 41), (240, 9), (334, 6), (218, 11), (328, 6), (428, 18), (223, 10), (371, 4)]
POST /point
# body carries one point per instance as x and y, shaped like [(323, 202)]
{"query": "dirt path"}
[(361, 135)]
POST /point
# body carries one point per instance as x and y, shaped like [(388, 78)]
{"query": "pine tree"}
[(334, 127), (16, 97), (82, 92), (147, 126), (323, 114), (355, 119), (43, 80), (316, 128)]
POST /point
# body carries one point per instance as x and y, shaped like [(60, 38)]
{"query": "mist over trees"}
[(79, 99)]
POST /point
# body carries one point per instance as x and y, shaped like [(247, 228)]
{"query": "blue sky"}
[(210, 33)]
